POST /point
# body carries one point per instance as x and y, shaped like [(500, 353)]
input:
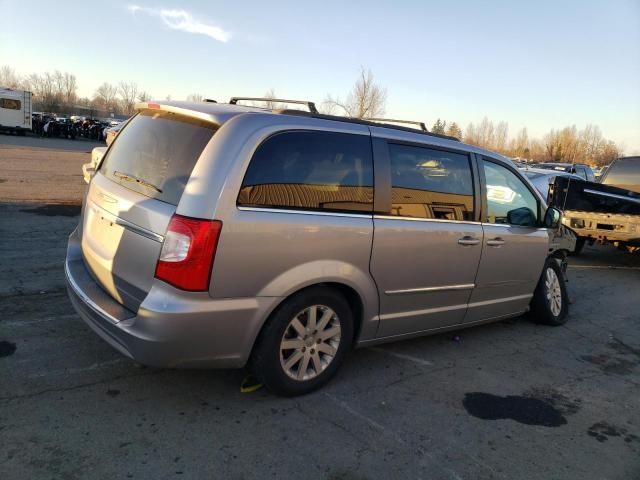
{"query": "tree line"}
[(567, 144), (57, 92)]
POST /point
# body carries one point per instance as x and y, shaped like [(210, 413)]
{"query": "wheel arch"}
[(352, 296)]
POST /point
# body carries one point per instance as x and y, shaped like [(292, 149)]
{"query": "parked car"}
[(217, 235), (111, 132), (542, 178), (579, 169)]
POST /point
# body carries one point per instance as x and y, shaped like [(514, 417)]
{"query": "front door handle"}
[(467, 240), (496, 242)]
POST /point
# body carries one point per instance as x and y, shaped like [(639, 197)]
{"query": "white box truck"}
[(15, 110)]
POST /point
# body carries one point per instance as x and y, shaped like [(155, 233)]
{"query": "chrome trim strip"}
[(428, 311), (76, 289), (612, 195), (506, 225), (304, 212), (436, 220), (444, 288), (126, 224), (500, 300)]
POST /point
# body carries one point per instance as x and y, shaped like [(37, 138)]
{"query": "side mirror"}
[(552, 218), (522, 217)]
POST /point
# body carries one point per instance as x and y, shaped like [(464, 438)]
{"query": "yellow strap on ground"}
[(249, 384)]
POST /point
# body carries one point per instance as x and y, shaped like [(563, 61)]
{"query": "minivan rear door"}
[(132, 197), (427, 242)]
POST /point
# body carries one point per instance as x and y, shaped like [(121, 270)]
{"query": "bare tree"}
[(367, 99), (270, 95), (520, 145), (128, 94), (195, 97), (9, 78), (143, 96), (105, 97), (45, 92), (501, 136), (69, 88), (592, 140)]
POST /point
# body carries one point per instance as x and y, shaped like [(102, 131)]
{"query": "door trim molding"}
[(500, 300), (444, 288)]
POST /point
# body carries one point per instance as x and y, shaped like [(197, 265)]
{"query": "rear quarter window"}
[(156, 152), (310, 170)]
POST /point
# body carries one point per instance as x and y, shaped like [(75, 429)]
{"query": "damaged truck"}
[(605, 212)]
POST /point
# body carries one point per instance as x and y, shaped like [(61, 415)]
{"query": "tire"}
[(280, 369), (550, 303)]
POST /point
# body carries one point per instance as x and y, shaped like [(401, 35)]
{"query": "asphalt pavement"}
[(504, 401)]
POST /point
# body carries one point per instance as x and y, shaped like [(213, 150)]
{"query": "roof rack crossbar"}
[(310, 105), (422, 126)]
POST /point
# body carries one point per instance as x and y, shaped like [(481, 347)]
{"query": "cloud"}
[(178, 19)]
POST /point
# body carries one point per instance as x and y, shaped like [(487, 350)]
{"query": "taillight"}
[(187, 253)]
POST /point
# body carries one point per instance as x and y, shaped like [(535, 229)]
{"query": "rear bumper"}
[(172, 328), (604, 227)]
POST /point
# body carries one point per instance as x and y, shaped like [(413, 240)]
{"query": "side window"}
[(582, 172), (509, 201), (10, 103), (311, 171), (429, 183), (590, 176)]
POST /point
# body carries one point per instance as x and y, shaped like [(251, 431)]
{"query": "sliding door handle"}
[(467, 240), (496, 242)]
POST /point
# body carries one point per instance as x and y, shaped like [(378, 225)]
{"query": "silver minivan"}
[(218, 235)]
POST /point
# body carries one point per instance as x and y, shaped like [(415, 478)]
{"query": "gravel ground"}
[(48, 170), (503, 401)]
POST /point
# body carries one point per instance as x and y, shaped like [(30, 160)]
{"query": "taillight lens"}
[(187, 253)]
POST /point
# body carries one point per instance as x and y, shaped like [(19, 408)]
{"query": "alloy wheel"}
[(554, 291), (310, 342)]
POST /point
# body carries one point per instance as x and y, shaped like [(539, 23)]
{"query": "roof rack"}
[(422, 126), (365, 121), (310, 105)]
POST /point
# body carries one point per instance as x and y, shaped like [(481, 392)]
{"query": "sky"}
[(540, 64)]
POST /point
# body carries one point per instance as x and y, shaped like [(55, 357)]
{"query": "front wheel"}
[(550, 303), (304, 342)]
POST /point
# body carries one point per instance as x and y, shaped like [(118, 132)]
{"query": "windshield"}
[(156, 153)]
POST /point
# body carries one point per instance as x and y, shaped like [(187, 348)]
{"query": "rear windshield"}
[(624, 173), (156, 152)]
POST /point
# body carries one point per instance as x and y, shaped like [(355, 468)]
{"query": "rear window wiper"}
[(131, 178)]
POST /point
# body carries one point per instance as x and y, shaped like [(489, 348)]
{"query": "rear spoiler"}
[(177, 110)]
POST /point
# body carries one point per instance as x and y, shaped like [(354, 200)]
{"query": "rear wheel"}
[(550, 303), (304, 342)]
